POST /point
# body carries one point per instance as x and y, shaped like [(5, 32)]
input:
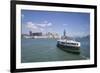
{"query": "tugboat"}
[(69, 45)]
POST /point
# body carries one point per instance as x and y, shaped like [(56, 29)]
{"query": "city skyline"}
[(75, 23)]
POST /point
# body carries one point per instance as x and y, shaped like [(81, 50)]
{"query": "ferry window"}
[(72, 43), (62, 42)]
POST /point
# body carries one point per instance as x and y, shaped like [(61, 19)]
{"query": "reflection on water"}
[(43, 50)]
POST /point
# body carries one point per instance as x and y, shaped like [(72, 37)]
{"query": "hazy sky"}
[(75, 24)]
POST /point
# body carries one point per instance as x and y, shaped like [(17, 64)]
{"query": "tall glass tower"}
[(64, 32)]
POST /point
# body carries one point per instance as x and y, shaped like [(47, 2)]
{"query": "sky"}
[(75, 23)]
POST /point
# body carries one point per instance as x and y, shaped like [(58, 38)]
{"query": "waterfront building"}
[(30, 33), (35, 33), (52, 35)]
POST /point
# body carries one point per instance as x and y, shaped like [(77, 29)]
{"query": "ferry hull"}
[(70, 49)]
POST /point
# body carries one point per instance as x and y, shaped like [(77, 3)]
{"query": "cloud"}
[(45, 24), (49, 24), (41, 25), (65, 24), (36, 27), (30, 25), (41, 29)]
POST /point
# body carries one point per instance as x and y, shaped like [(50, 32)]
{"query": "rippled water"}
[(43, 50)]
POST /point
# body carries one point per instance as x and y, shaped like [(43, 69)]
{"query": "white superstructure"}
[(68, 43)]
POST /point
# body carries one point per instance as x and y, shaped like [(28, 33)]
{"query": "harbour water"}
[(44, 50)]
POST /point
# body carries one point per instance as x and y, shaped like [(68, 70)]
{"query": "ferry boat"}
[(64, 43), (68, 44)]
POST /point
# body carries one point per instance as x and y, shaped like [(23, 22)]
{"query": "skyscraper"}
[(64, 33), (30, 32)]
